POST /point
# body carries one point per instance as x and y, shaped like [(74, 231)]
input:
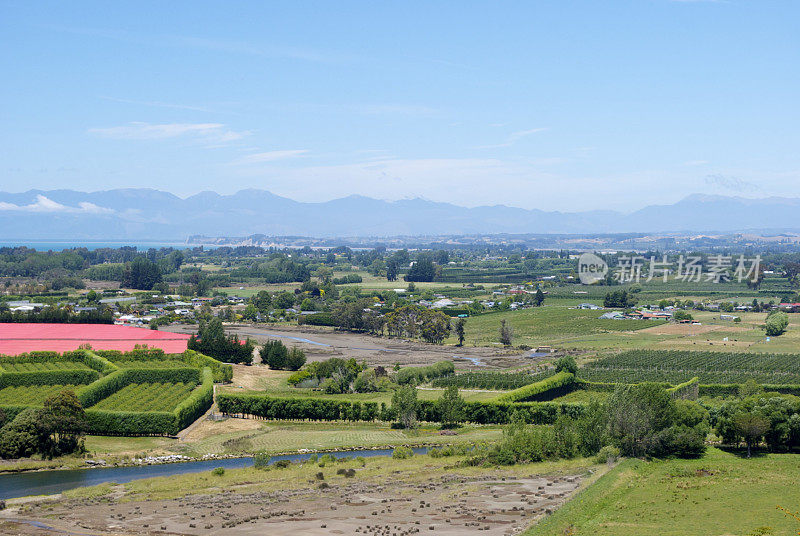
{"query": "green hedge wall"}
[(197, 403), (319, 409), (131, 423), (686, 390), (422, 374), (49, 377), (546, 389), (92, 360), (719, 389), (494, 412), (223, 372), (315, 409)]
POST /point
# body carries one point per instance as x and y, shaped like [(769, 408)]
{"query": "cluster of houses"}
[(643, 314), (636, 314)]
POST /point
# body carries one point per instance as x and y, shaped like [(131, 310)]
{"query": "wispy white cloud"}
[(46, 205), (271, 156), (210, 132), (514, 137)]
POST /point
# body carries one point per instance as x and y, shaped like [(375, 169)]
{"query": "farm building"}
[(20, 338)]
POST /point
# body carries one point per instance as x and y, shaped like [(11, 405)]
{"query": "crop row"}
[(152, 364), (675, 376), (701, 361), (146, 397), (31, 395), (491, 380), (39, 366)]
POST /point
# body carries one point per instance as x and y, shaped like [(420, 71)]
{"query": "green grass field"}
[(719, 494), (277, 436), (281, 389), (556, 325)]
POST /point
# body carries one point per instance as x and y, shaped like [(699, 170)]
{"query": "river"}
[(47, 482)]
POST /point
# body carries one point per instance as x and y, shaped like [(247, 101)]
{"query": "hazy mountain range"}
[(154, 214)]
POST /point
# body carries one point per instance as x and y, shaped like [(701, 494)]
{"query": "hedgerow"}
[(318, 409), (549, 388), (423, 374), (491, 380), (315, 409), (131, 423), (91, 360), (686, 390), (497, 412), (49, 377), (223, 372), (198, 401), (143, 357)]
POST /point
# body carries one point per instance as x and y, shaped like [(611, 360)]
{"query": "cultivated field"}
[(710, 367)]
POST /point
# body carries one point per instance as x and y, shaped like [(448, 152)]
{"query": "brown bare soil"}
[(444, 504), (374, 350)]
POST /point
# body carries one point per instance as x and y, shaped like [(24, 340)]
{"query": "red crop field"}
[(20, 338)]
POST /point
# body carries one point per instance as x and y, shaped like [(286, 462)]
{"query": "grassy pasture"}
[(276, 436), (546, 325), (720, 493)]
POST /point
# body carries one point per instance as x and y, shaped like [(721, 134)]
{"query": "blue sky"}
[(566, 105)]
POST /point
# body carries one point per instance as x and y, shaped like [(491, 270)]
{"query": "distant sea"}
[(58, 245)]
